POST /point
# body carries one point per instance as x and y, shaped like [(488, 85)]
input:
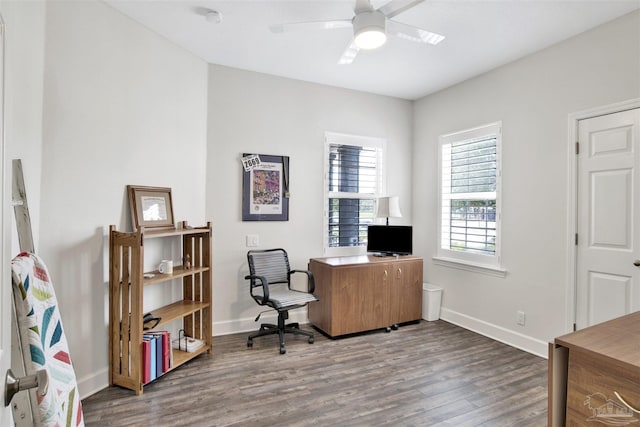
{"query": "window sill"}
[(490, 270)]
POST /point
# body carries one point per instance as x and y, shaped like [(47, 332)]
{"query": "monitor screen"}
[(390, 239)]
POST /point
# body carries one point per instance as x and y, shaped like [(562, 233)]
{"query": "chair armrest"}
[(265, 287), (312, 282)]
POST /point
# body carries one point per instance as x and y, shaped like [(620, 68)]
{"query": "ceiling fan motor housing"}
[(369, 29)]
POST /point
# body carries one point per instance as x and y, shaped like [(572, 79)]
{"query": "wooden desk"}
[(362, 293), (588, 367)]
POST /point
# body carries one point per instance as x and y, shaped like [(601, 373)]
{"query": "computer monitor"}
[(390, 239)]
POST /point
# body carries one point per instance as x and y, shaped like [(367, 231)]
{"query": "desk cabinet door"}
[(360, 301), (406, 288), (590, 392)]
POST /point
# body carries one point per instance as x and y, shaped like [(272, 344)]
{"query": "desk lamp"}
[(388, 207)]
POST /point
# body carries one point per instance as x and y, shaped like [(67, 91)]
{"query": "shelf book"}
[(146, 362), (163, 353), (151, 361), (137, 356)]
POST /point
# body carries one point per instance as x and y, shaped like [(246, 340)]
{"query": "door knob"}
[(636, 263), (12, 385)]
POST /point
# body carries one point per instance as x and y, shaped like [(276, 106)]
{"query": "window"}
[(353, 182), (470, 195)]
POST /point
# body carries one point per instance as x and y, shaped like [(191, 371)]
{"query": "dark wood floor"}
[(423, 374)]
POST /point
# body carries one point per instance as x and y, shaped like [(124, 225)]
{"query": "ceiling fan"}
[(370, 27)]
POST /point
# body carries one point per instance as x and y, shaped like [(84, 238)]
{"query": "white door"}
[(608, 281), (5, 277)]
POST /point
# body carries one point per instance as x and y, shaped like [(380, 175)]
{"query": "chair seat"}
[(286, 298)]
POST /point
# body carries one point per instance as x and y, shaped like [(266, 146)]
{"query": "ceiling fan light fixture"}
[(369, 30), (370, 39)]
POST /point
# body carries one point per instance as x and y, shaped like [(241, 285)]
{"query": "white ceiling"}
[(480, 35)]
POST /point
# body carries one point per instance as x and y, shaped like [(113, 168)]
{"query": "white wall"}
[(121, 106), (257, 113), (533, 97), (24, 65), (23, 71)]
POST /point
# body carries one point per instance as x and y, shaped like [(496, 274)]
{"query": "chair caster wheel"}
[(395, 327), (310, 340), (283, 350), (387, 329), (249, 343)]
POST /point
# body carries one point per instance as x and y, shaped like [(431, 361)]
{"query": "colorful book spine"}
[(170, 351), (152, 357), (166, 351), (159, 350), (146, 359)]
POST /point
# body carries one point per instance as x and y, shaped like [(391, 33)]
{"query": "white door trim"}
[(572, 197)]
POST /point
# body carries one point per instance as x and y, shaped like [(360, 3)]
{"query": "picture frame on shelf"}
[(151, 207), (265, 187)]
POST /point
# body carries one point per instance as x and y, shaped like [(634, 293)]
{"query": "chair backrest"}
[(270, 263)]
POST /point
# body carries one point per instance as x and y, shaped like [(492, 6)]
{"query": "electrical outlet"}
[(253, 240), (520, 318)]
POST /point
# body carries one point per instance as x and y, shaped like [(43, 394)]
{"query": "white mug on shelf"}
[(166, 266)]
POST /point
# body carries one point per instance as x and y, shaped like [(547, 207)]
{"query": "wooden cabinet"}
[(365, 292), (127, 284), (594, 375)]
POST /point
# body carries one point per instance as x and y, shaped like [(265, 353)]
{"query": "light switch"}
[(253, 240)]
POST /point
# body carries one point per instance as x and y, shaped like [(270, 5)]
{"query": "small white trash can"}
[(431, 300)]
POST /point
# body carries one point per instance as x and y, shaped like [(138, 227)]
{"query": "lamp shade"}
[(389, 207)]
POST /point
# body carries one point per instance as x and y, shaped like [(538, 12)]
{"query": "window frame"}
[(380, 145), (459, 258)]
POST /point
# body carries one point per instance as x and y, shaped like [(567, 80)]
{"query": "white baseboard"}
[(93, 383), (498, 333)]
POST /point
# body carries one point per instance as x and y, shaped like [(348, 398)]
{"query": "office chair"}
[(270, 285)]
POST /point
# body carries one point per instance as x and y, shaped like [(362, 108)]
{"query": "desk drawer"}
[(592, 383)]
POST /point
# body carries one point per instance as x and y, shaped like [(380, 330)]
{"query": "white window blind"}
[(353, 181), (470, 183)]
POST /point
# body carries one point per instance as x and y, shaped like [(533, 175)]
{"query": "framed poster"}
[(265, 187)]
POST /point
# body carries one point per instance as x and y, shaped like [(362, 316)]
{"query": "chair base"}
[(281, 328)]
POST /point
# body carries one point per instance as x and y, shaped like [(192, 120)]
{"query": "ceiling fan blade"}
[(349, 54), (311, 25), (363, 6), (415, 34), (396, 7)]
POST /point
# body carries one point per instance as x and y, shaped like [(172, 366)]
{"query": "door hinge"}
[(577, 148), (576, 239)]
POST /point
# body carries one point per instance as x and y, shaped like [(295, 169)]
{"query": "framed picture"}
[(265, 188), (151, 207)]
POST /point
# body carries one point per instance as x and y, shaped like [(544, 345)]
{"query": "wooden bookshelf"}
[(127, 283)]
